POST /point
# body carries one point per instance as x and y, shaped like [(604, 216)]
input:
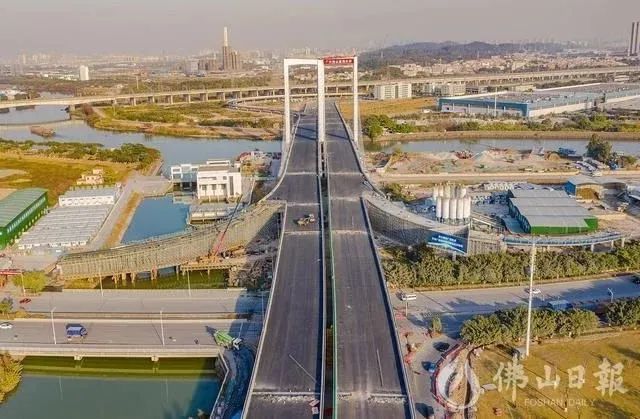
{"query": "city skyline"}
[(168, 28)]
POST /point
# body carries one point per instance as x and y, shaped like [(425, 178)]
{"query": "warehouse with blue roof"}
[(541, 102)]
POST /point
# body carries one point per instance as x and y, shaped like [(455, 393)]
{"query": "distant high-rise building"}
[(83, 73), (230, 59)]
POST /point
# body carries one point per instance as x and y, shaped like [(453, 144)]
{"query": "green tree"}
[(10, 375), (543, 323), (34, 281), (6, 306), (574, 322), (482, 330), (514, 322), (599, 149), (623, 313), (436, 325)]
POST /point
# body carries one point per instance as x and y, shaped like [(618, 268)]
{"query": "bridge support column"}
[(155, 358), (72, 108), (188, 98), (77, 357), (613, 244), (133, 101), (593, 247), (151, 99), (204, 97), (114, 102), (170, 99), (622, 242)]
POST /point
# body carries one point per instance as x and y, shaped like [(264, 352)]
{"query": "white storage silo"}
[(460, 209), (453, 209), (441, 190), (439, 208), (445, 209), (467, 208), (447, 190), (436, 192), (463, 191)]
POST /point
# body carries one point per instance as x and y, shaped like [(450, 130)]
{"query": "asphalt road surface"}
[(138, 301), (126, 332), (369, 363), (456, 306), (289, 370)]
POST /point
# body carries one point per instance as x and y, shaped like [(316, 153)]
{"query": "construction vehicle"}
[(307, 219), (226, 340)]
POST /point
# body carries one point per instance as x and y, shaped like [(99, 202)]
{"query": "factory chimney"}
[(631, 43), (636, 41)]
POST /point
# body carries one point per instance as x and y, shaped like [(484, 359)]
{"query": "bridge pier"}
[(204, 97), (151, 99), (622, 242), (170, 99), (72, 108), (77, 357), (133, 101), (114, 102), (155, 358), (593, 246)]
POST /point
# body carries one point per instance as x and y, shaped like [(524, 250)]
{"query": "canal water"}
[(33, 115), (69, 393), (156, 217), (476, 146)]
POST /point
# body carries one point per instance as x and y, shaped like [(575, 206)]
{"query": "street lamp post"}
[(188, 283), (532, 265), (53, 328), (161, 328)]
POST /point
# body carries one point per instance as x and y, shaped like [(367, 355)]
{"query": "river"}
[(70, 393)]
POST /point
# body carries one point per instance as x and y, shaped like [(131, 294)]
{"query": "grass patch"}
[(199, 280), (118, 367), (548, 402), (56, 175), (390, 108)]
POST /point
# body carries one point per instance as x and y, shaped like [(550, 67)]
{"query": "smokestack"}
[(631, 43), (636, 42), (225, 38)]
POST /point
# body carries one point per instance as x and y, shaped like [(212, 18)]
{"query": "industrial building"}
[(19, 211), (444, 89), (401, 90), (89, 197), (588, 186), (541, 102), (65, 227), (549, 212), (214, 180)]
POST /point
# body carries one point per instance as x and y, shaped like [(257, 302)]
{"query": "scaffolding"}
[(150, 256)]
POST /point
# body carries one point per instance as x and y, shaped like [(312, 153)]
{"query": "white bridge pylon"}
[(320, 64)]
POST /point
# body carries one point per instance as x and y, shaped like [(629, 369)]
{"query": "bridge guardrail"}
[(388, 308), (324, 279)]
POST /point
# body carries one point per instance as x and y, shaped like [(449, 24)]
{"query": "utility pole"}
[(53, 328), (532, 265), (161, 328)]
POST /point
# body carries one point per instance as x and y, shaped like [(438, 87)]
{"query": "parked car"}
[(430, 367), (408, 297), (534, 291), (25, 301), (441, 346), (6, 325)]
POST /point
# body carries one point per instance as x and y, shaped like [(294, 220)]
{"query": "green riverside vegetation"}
[(10, 375), (423, 267)]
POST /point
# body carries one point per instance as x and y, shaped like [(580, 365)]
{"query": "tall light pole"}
[(53, 328), (161, 328), (22, 282), (532, 265), (188, 283)]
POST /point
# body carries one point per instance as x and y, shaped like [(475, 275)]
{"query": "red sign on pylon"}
[(338, 60)]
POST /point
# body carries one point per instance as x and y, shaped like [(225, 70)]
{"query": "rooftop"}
[(551, 221), (86, 192), (591, 180), (17, 202)]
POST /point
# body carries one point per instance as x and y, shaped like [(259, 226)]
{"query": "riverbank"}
[(506, 135)]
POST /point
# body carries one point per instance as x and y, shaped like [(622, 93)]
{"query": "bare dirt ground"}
[(488, 161)]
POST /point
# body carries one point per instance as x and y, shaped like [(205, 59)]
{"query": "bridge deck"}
[(369, 362), (289, 370)]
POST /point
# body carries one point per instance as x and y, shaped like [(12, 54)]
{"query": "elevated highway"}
[(369, 376), (203, 95), (289, 370)]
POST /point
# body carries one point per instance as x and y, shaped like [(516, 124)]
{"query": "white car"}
[(6, 325), (408, 297), (535, 291)]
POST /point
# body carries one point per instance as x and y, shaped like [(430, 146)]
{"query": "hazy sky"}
[(186, 26)]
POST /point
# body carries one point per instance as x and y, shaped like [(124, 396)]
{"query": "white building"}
[(83, 71), (89, 197), (218, 180), (214, 180), (401, 90)]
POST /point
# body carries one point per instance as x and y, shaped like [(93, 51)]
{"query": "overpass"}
[(203, 95)]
